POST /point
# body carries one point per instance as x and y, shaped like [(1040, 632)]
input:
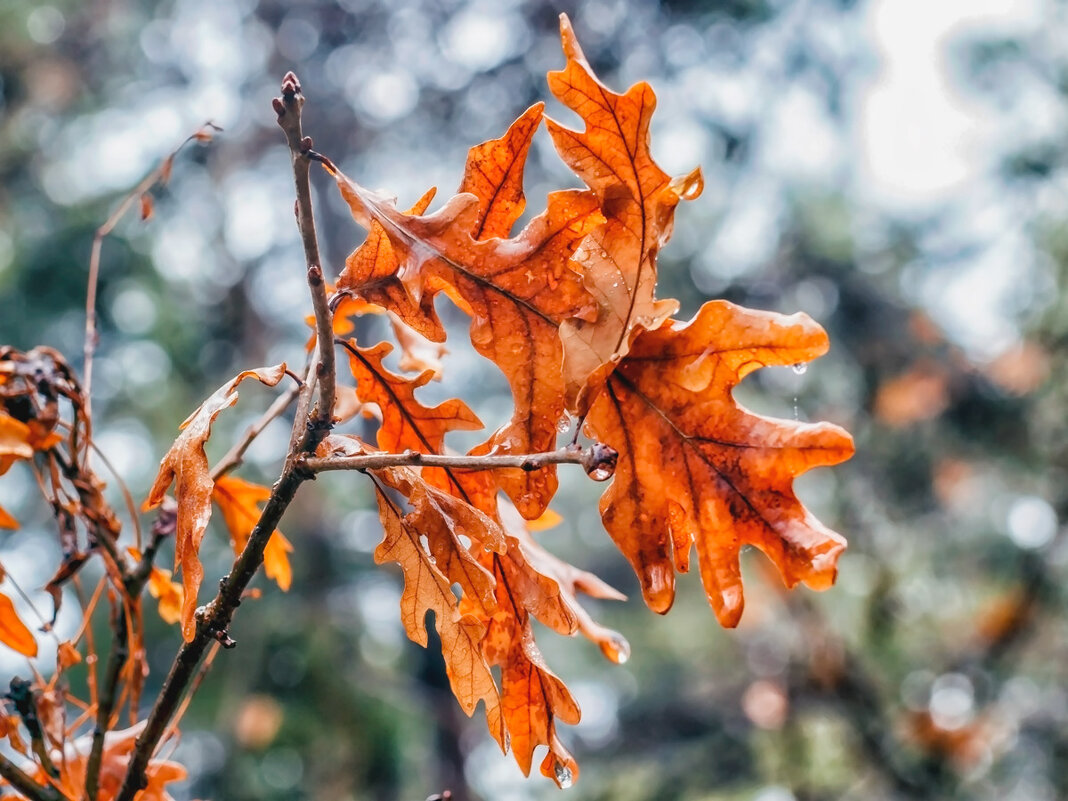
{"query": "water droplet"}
[(601, 473), (564, 424), (563, 775), (797, 414), (616, 648), (800, 368)]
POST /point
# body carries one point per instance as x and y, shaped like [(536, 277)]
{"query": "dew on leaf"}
[(563, 775)]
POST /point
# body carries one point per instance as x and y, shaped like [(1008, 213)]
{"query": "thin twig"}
[(597, 459), (116, 660), (159, 174), (233, 458), (288, 107)]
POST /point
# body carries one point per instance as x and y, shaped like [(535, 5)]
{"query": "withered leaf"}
[(427, 588), (518, 291), (697, 469), (532, 696), (406, 423), (186, 466), (443, 518), (638, 199), (239, 501)]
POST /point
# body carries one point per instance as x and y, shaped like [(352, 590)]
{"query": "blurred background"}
[(896, 168)]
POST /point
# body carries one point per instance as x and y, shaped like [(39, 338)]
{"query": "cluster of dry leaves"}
[(566, 308)]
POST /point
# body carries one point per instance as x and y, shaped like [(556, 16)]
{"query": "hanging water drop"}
[(800, 368), (564, 424), (601, 473), (563, 775), (616, 648)]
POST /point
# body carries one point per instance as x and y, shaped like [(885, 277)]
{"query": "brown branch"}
[(309, 429), (18, 779), (288, 107), (597, 459), (120, 652), (212, 624)]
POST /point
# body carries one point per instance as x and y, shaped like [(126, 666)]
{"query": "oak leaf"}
[(186, 466), (696, 469), (638, 200), (406, 423), (517, 291), (374, 272), (426, 588), (532, 696), (239, 501)]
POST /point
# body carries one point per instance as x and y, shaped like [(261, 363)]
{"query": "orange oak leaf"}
[(239, 501), (186, 466), (13, 632), (7, 520), (443, 519), (697, 469), (638, 199), (518, 291), (426, 588), (520, 336), (374, 272), (532, 696), (406, 423)]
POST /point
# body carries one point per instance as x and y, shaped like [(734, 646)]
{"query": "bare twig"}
[(233, 458), (159, 175), (288, 107), (597, 459), (116, 660)]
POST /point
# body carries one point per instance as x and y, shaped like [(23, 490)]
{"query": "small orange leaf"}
[(6, 520), (67, 655), (547, 520), (147, 206), (170, 594), (239, 502), (13, 632)]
